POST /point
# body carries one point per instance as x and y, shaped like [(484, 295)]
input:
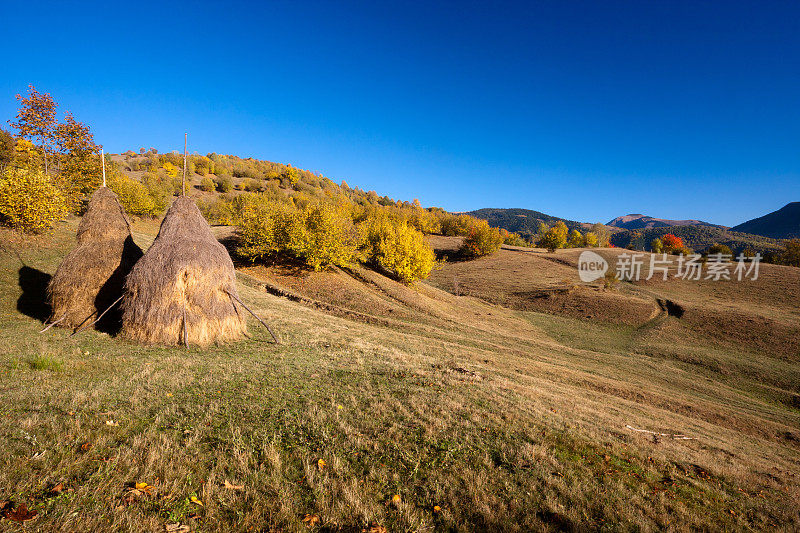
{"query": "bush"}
[(224, 184), (514, 239), (791, 253), (575, 239), (553, 239), (138, 199), (207, 184), (590, 239), (672, 244), (320, 235), (481, 240), (249, 184), (399, 248), (656, 246), (723, 249), (457, 225), (29, 201)]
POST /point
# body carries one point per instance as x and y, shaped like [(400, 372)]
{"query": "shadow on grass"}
[(33, 300)]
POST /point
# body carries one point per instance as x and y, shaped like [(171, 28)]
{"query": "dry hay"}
[(186, 275), (91, 276)]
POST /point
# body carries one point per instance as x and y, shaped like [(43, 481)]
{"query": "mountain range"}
[(636, 221), (636, 230)]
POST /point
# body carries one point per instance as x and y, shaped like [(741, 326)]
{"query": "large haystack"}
[(90, 278), (183, 285)]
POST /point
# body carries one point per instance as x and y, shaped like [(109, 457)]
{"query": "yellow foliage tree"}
[(29, 200), (399, 248), (172, 170)]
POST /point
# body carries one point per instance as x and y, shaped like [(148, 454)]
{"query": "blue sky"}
[(585, 110)]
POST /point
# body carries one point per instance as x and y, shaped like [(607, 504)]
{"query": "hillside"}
[(523, 221), (500, 395), (781, 224), (698, 238), (637, 221)]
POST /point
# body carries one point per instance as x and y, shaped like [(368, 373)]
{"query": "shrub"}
[(249, 184), (553, 239), (224, 184), (207, 184), (29, 201), (425, 221), (656, 246), (513, 239), (456, 225), (791, 253), (328, 237), (136, 198), (590, 239), (575, 239), (399, 248), (672, 243), (481, 240), (172, 170), (723, 249), (320, 234)]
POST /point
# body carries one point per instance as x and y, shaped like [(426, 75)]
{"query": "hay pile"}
[(91, 277), (184, 278)]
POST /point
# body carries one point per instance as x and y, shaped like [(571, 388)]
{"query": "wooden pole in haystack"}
[(103, 160)]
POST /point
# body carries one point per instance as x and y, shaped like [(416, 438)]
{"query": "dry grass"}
[(182, 288), (505, 419), (90, 277)]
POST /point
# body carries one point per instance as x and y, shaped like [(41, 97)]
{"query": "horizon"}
[(688, 111)]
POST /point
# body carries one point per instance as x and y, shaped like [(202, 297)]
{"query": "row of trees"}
[(559, 236)]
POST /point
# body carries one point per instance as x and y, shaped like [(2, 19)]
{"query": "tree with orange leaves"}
[(36, 120)]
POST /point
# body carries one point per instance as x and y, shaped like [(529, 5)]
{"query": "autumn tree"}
[(6, 149), (575, 239), (80, 158), (656, 246), (791, 253), (672, 243), (590, 239), (36, 120), (603, 234), (553, 239)]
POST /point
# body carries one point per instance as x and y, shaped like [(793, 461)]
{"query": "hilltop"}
[(781, 224), (523, 221), (638, 221)]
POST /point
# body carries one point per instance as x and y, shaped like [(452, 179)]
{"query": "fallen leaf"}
[(177, 527), (436, 509), (231, 486), (195, 500), (396, 499), (311, 519), (374, 528), (86, 446), (58, 488), (20, 514), (322, 464), (111, 423)]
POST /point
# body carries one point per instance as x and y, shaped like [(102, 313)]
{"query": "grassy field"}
[(436, 407)]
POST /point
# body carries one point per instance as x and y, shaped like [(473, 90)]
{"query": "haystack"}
[(183, 289), (91, 276)]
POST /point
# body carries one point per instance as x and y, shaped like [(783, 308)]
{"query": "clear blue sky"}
[(585, 110)]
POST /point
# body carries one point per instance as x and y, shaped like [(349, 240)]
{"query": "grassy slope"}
[(506, 419)]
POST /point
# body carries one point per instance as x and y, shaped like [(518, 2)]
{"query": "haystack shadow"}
[(33, 301)]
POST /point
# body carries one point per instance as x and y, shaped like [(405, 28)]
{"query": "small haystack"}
[(183, 289), (91, 277)]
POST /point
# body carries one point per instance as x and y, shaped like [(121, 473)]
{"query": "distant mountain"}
[(524, 221), (697, 237), (781, 224), (636, 221)]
